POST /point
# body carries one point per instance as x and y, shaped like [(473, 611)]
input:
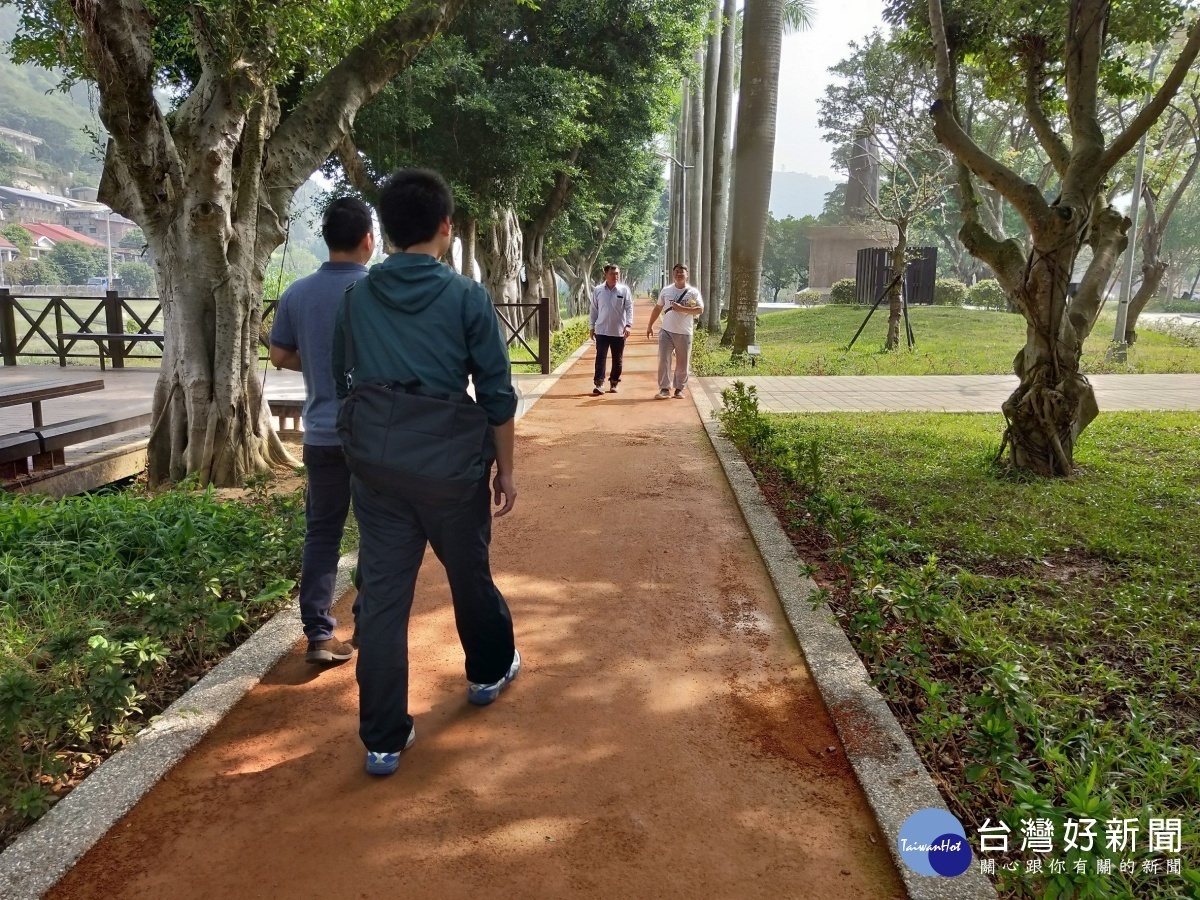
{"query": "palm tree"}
[(721, 166), (712, 63), (762, 42)]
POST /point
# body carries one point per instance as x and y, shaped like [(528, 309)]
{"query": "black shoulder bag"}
[(401, 438)]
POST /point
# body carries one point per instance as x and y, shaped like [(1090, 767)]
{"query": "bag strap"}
[(351, 359)]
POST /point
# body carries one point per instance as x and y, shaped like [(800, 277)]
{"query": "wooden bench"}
[(15, 452), (46, 446), (104, 337), (287, 410)]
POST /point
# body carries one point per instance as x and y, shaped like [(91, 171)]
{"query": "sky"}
[(803, 76)]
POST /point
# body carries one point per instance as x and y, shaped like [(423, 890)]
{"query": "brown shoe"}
[(354, 637), (329, 651)]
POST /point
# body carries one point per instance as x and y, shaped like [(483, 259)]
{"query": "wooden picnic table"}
[(34, 392)]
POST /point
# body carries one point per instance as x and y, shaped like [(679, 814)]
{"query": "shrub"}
[(111, 602), (843, 292), (567, 340), (987, 295), (138, 279), (949, 292), (809, 297)]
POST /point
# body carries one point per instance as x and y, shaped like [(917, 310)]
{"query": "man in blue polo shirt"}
[(302, 339)]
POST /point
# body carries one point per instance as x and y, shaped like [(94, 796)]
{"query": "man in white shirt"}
[(610, 318), (680, 304)]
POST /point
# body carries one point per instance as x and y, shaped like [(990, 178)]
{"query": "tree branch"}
[(1108, 240), (356, 169), (1022, 195), (1051, 140), (1125, 141), (311, 133), (148, 179)]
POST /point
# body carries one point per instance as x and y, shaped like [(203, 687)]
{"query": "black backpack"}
[(401, 438)]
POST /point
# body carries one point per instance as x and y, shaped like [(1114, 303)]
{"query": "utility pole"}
[(681, 222), (1120, 349)]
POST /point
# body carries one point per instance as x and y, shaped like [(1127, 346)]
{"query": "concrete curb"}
[(893, 778), (45, 852)]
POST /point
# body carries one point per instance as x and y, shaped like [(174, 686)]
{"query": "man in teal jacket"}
[(416, 319)]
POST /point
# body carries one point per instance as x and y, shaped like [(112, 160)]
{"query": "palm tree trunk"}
[(761, 49), (712, 61), (695, 159), (721, 174)]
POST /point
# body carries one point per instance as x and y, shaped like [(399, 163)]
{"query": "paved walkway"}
[(947, 393), (664, 740)]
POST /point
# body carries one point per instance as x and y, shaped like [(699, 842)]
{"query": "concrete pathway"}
[(665, 738), (947, 393)]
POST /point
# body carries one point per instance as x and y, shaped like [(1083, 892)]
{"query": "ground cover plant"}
[(1037, 639), (573, 334), (949, 342), (111, 605)]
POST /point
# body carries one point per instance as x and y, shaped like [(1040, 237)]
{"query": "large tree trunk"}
[(499, 256), (695, 159), (211, 190), (722, 166), (712, 64), (210, 416), (468, 229), (1054, 401), (762, 44), (895, 298)]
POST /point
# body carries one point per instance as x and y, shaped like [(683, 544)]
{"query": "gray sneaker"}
[(483, 694), (662, 395), (678, 393)]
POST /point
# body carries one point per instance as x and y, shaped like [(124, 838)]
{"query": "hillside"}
[(797, 194), (31, 102)]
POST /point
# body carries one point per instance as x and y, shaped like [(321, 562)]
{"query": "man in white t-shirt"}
[(679, 304)]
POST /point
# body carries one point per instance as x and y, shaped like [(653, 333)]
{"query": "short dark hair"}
[(413, 203), (680, 266), (347, 220), (608, 267)]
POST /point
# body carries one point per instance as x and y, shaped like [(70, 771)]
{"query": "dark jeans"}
[(325, 507), (393, 533), (603, 344)]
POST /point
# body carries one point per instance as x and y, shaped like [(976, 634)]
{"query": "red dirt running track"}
[(664, 739)]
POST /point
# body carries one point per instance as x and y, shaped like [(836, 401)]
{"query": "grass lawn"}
[(111, 605), (1039, 640), (949, 341)]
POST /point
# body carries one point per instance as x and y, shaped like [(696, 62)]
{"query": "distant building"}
[(26, 144), (89, 219), (8, 252), (56, 234), (24, 206)]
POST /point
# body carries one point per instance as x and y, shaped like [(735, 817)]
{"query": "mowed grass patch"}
[(949, 341), (1039, 640), (111, 606)]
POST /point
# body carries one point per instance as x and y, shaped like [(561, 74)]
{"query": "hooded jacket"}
[(415, 318)]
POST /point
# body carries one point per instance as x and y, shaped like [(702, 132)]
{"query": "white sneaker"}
[(662, 395)]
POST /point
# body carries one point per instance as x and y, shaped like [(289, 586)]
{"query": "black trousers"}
[(393, 533), (604, 343), (326, 504)]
